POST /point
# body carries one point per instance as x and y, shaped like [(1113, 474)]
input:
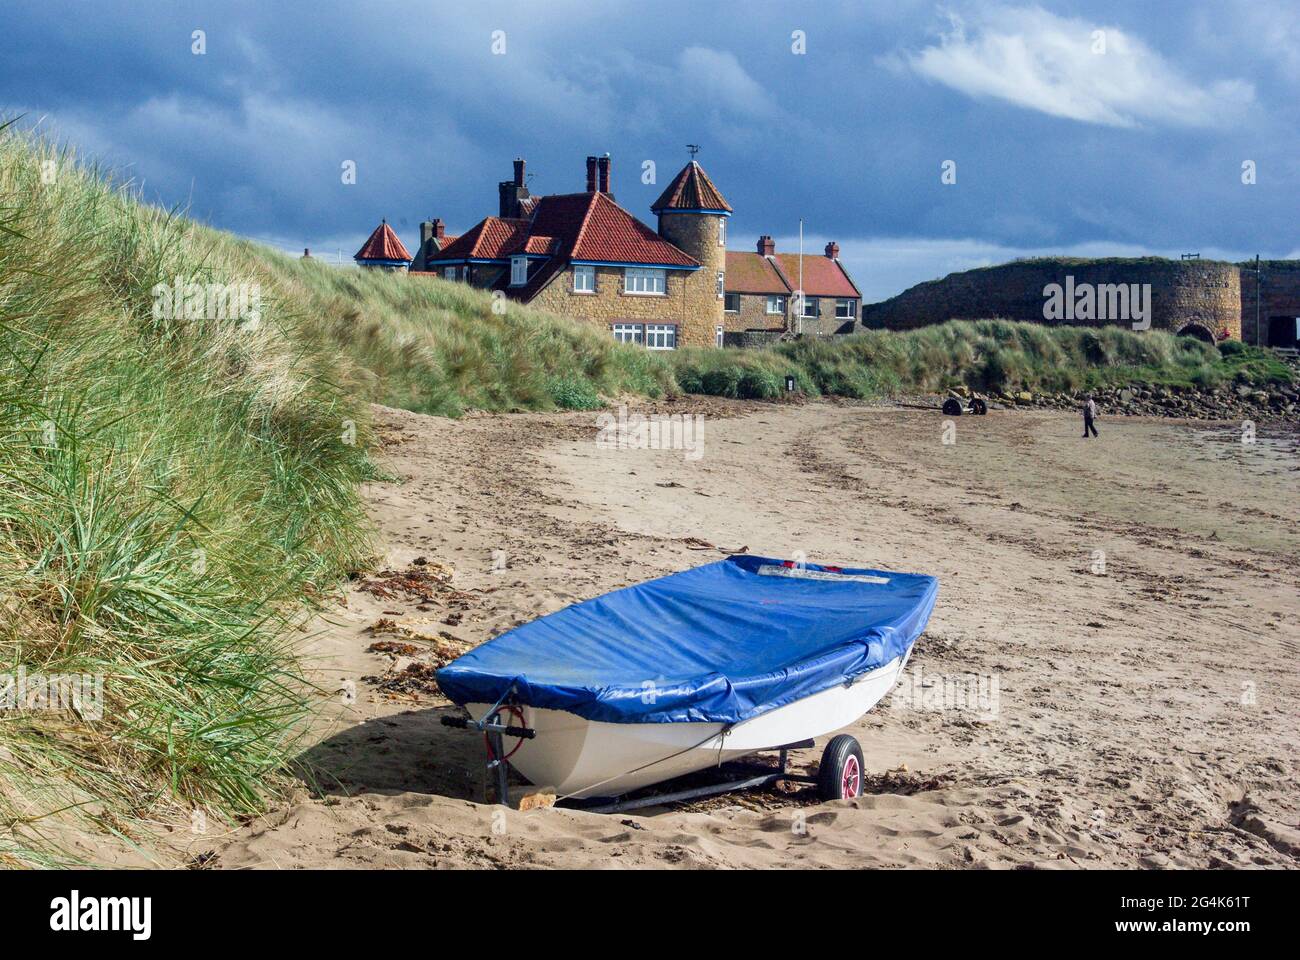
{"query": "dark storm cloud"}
[(1057, 147)]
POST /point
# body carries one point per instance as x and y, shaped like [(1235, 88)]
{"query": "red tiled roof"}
[(540, 245), (567, 227), (691, 189), (608, 232), (822, 276), (489, 239), (382, 245), (750, 272)]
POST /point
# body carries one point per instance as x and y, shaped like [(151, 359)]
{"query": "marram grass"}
[(174, 495), (437, 346)]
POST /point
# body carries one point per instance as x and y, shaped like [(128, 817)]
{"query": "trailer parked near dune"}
[(682, 673)]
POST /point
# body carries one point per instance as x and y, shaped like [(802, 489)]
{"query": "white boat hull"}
[(590, 758)]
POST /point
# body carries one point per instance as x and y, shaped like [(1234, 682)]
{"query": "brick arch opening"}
[(1198, 330)]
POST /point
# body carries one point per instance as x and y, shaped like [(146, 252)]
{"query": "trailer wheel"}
[(979, 407), (840, 775), (952, 407)]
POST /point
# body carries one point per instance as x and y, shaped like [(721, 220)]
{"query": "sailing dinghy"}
[(674, 675)]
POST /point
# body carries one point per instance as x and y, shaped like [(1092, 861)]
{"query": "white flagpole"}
[(802, 296)]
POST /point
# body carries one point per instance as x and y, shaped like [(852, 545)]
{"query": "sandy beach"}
[(1126, 608)]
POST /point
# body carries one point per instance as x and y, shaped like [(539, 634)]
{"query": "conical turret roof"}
[(691, 190), (382, 245)]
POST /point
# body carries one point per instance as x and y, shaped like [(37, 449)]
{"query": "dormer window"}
[(518, 271)]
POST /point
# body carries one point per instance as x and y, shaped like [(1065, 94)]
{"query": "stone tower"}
[(693, 217)]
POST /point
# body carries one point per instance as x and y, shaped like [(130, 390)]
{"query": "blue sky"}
[(1061, 144)]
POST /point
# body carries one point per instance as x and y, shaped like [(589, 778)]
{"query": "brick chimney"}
[(766, 246), (513, 191), (440, 228), (603, 166), (591, 174), (833, 250)]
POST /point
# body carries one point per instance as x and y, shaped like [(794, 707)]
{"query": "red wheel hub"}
[(850, 779)]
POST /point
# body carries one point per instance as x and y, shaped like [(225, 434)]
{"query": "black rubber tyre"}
[(952, 407), (840, 775), (979, 407)]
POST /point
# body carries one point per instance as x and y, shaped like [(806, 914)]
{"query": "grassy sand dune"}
[(173, 494), (434, 346)]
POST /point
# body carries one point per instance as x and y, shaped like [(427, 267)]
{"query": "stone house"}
[(584, 256), (762, 293)]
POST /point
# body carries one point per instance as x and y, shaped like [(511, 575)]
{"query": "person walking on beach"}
[(1089, 414)]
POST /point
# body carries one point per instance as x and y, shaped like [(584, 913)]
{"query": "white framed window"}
[(722, 282), (732, 303), (719, 335), (811, 307), (660, 336), (584, 278), (776, 304), (645, 281), (518, 271), (627, 332), (722, 231), (844, 310)]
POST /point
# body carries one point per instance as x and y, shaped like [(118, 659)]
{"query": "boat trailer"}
[(838, 777), (759, 776)]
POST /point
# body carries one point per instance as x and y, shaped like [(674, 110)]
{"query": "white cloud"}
[(1043, 62), (727, 82)]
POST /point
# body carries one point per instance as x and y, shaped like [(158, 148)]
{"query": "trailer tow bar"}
[(494, 730)]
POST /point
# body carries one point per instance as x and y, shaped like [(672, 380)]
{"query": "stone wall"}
[(827, 323), (697, 234), (753, 315), (679, 304), (751, 338), (1279, 296), (1202, 296), (484, 274)]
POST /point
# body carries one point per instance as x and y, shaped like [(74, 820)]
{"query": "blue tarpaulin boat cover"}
[(721, 643)]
